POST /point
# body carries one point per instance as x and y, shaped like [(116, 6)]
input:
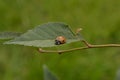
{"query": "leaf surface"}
[(44, 35), (9, 35), (48, 75)]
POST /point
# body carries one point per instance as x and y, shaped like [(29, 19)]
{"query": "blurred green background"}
[(100, 20)]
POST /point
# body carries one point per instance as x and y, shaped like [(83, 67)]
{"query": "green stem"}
[(80, 48)]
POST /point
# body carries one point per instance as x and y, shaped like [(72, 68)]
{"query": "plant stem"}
[(80, 48), (86, 43)]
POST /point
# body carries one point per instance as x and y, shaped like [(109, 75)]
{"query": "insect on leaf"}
[(44, 35)]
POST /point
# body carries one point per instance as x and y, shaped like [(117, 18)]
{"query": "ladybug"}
[(60, 40)]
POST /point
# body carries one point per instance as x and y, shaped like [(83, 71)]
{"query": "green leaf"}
[(9, 35), (48, 75), (44, 35), (117, 77)]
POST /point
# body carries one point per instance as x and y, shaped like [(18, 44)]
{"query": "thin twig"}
[(80, 48), (86, 43)]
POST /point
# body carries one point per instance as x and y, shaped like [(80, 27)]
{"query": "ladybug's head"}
[(57, 42)]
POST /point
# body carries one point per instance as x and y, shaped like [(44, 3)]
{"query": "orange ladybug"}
[(60, 40)]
